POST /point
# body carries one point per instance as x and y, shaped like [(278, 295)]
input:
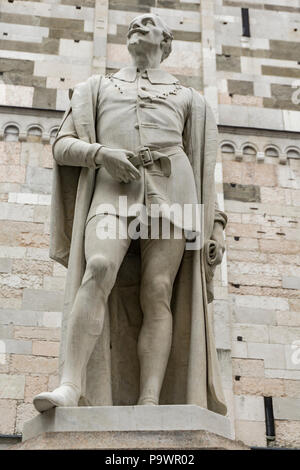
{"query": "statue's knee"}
[(99, 268), (155, 293)]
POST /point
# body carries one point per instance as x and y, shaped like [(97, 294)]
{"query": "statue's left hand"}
[(218, 237)]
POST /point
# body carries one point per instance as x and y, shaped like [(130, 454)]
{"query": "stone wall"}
[(31, 284), (251, 83), (262, 200), (260, 71)]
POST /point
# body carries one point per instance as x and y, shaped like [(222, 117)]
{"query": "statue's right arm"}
[(69, 150)]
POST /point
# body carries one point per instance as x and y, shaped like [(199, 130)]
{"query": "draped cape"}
[(112, 373)]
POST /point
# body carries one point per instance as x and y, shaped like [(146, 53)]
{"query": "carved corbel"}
[(260, 156), (239, 155), (283, 159), (45, 138), (22, 136)]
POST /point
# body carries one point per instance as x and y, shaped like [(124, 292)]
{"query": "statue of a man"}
[(136, 324)]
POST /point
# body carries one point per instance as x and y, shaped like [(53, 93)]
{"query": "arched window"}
[(293, 153), (271, 152), (227, 148), (34, 134), (249, 150), (11, 134)]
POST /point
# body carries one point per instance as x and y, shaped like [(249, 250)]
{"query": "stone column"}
[(100, 37), (209, 76), (221, 306)]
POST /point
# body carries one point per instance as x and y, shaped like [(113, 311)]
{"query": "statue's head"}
[(149, 31)]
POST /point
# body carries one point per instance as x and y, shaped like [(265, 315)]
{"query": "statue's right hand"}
[(116, 162)]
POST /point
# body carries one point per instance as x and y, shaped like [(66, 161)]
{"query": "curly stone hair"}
[(168, 38)]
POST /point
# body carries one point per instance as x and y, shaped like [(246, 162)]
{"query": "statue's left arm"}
[(220, 221), (200, 138)]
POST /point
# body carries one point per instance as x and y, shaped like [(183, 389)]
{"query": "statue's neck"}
[(147, 61)]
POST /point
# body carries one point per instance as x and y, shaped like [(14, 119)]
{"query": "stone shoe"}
[(65, 395), (148, 401)]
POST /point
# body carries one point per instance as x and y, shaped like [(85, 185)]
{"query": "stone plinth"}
[(129, 427)]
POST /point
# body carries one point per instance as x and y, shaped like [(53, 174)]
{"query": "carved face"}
[(145, 32)]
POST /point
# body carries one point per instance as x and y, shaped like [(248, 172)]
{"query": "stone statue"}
[(137, 328)]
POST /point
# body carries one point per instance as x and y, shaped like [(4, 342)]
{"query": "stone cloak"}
[(112, 374)]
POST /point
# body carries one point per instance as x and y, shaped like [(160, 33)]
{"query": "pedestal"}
[(129, 427)]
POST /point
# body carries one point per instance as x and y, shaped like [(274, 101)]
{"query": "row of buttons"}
[(141, 97)]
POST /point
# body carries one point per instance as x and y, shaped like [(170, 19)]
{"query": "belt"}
[(146, 157)]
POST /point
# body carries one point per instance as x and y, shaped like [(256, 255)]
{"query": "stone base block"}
[(129, 427)]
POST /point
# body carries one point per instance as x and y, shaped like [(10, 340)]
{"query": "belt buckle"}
[(146, 157)]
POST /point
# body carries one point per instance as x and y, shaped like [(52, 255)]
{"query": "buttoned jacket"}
[(136, 111)]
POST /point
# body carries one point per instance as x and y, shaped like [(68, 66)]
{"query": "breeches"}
[(160, 261)]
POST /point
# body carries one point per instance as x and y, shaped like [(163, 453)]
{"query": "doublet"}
[(144, 110)]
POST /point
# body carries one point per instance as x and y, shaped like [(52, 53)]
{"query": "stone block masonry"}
[(253, 87), (263, 267)]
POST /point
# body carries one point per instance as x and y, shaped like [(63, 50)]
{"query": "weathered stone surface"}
[(251, 432), (248, 367), (129, 418), (291, 282), (25, 412), (273, 354), (191, 440), (20, 317), (22, 234), (239, 192), (35, 267), (5, 265), (43, 334), (34, 384), (283, 334), (250, 408), (287, 433), (280, 71), (10, 153), (178, 427), (46, 46), (228, 63), (38, 179), (49, 301), (45, 348), (250, 172), (44, 98), (8, 416), (259, 386), (6, 331), (12, 386), (132, 5), (254, 315), (287, 408), (16, 65), (33, 364), (240, 87), (62, 23), (18, 347), (251, 333)]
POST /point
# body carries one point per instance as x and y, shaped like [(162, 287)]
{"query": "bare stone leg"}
[(160, 262), (104, 258)]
